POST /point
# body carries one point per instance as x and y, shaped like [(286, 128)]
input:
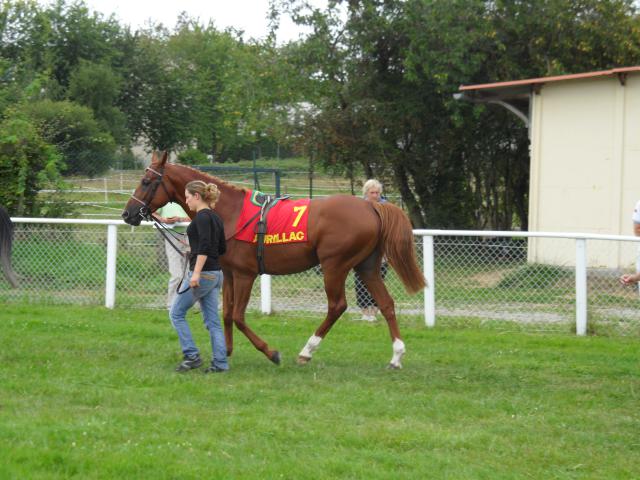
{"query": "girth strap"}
[(261, 228)]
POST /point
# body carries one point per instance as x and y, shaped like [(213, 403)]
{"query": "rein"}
[(168, 235)]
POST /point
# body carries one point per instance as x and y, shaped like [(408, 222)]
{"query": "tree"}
[(84, 147), (386, 73), (158, 100), (242, 89), (98, 87), (27, 164)]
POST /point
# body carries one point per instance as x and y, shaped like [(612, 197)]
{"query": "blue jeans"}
[(207, 293)]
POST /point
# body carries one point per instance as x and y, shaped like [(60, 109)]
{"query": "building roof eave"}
[(518, 85)]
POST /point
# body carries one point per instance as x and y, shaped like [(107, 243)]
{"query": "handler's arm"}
[(195, 277), (628, 279)]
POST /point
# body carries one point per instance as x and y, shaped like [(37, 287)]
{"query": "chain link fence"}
[(493, 281), (478, 280)]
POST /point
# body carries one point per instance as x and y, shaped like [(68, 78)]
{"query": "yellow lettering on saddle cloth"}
[(281, 237)]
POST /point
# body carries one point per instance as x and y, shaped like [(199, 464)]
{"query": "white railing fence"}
[(516, 280)]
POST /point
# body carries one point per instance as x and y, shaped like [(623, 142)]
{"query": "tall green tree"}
[(387, 70), (98, 87), (157, 98)]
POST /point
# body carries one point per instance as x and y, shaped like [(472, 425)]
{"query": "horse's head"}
[(151, 194)]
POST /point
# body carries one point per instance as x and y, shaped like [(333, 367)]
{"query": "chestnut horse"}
[(344, 232)]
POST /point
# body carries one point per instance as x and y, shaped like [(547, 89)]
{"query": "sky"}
[(247, 15)]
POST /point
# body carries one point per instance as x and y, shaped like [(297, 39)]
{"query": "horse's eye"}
[(146, 181)]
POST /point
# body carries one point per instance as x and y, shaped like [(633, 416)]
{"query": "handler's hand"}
[(170, 220), (195, 280), (626, 279)]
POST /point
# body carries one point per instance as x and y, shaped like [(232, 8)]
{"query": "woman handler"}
[(206, 238)]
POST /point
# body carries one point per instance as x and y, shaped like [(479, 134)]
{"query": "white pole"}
[(112, 245), (430, 289), (265, 294), (581, 286), (638, 266)]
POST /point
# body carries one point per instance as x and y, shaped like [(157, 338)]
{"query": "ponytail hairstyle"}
[(208, 191)]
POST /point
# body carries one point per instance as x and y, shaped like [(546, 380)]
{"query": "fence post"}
[(581, 286), (265, 294), (430, 289), (638, 264), (112, 246)]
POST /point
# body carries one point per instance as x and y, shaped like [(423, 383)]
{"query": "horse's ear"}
[(165, 156)]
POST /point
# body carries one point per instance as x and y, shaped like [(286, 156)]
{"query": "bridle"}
[(145, 211)]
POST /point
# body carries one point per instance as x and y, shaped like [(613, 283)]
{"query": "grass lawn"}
[(91, 393)]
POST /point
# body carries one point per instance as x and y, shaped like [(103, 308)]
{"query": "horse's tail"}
[(6, 239), (398, 246)]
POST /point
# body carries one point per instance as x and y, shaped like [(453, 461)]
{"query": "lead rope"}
[(168, 234)]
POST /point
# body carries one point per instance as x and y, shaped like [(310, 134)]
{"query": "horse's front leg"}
[(242, 285), (334, 279), (227, 310)]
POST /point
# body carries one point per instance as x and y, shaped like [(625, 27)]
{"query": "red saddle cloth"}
[(286, 221)]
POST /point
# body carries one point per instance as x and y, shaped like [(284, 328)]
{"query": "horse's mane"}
[(213, 178)]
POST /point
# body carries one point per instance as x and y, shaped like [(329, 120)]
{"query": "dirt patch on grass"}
[(491, 279)]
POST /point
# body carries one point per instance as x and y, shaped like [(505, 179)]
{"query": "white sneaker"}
[(369, 318)]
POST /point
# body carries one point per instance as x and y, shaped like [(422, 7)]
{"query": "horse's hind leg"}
[(378, 290), (241, 293), (334, 279)]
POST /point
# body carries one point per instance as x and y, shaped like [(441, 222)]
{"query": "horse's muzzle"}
[(131, 219)]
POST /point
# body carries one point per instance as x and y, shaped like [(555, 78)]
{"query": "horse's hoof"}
[(275, 357), (229, 352), (392, 366), (303, 360)]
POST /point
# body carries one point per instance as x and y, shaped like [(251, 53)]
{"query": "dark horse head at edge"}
[(6, 240)]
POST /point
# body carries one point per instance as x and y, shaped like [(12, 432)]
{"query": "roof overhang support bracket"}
[(518, 113)]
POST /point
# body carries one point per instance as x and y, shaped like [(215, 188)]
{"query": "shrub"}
[(27, 164), (86, 149)]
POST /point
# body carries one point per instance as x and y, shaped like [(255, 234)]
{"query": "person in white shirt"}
[(169, 215), (629, 279)]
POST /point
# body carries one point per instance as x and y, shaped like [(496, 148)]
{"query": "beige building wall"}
[(585, 167)]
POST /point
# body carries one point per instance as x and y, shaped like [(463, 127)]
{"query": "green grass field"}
[(90, 393)]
